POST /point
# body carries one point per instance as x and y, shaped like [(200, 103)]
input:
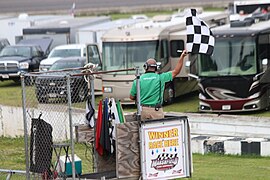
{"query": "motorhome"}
[(159, 38), (241, 9), (247, 7), (236, 77), (93, 33)]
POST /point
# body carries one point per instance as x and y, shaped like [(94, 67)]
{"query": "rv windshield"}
[(231, 57), (123, 55)]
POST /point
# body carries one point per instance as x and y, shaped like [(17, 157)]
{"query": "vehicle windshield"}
[(65, 65), (16, 51), (123, 55), (65, 53), (231, 56)]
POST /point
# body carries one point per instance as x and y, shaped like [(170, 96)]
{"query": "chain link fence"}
[(53, 104), (12, 174)]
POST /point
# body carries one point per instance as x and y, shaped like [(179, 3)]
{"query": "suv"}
[(53, 85), (23, 57), (62, 51)]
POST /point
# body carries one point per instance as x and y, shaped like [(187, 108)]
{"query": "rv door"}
[(93, 56)]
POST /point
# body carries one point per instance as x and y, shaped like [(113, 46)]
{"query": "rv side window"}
[(164, 55), (263, 48), (175, 46)]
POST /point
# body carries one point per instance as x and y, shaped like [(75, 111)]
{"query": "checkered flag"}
[(165, 156), (200, 39)]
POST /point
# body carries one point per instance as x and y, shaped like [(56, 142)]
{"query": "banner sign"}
[(164, 152)]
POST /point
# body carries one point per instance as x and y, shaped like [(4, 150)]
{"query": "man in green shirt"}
[(152, 87)]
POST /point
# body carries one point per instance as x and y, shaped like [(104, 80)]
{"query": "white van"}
[(62, 51)]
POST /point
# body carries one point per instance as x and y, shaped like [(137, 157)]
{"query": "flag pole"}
[(73, 9)]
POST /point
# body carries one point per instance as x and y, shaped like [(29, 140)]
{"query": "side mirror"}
[(187, 66), (264, 64)]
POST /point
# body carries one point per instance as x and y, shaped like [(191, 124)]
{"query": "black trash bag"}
[(40, 146)]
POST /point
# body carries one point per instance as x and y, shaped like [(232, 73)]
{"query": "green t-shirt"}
[(151, 87)]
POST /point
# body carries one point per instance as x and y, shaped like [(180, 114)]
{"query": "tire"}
[(17, 80)]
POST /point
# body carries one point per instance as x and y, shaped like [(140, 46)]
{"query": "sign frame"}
[(165, 148)]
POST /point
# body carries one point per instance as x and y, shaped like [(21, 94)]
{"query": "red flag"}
[(99, 147)]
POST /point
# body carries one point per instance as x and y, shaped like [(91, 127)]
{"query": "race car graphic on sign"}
[(165, 161)]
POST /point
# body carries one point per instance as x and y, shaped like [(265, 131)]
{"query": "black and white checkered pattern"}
[(230, 145), (200, 39), (165, 156)]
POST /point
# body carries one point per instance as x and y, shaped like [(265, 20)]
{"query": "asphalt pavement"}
[(99, 6)]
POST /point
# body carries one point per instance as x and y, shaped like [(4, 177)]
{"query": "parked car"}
[(53, 85), (23, 57), (62, 51)]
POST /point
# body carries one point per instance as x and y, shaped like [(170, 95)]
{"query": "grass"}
[(187, 103), (205, 167), (219, 167), (148, 14), (11, 95), (115, 16), (12, 155)]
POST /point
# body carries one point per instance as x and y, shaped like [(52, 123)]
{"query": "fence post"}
[(92, 88), (71, 126), (25, 127), (138, 94)]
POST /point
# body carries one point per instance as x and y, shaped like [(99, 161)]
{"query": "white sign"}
[(164, 150)]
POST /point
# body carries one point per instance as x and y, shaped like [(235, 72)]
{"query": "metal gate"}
[(53, 104)]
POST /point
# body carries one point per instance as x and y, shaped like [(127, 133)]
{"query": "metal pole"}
[(93, 104), (71, 127), (25, 128), (188, 147), (138, 94), (103, 72), (92, 93)]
